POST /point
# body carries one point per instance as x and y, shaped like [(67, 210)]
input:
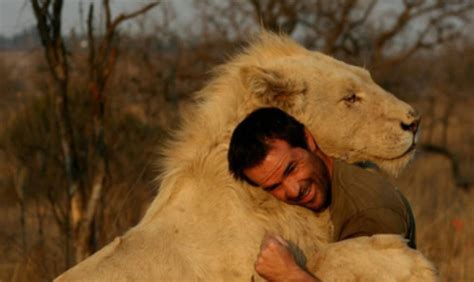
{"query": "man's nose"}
[(292, 189)]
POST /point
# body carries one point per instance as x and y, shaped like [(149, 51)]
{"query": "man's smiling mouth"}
[(305, 190)]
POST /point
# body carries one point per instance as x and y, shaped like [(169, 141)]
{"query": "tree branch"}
[(414, 10), (460, 181), (123, 17), (91, 40)]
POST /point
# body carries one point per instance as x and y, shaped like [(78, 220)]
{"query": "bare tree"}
[(48, 20), (439, 21), (277, 15), (348, 27), (20, 193), (335, 26), (102, 58)]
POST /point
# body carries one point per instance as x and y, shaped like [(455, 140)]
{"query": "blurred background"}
[(90, 90)]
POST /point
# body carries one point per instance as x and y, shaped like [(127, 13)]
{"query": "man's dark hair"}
[(249, 143)]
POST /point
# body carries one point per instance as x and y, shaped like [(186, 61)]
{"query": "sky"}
[(16, 15)]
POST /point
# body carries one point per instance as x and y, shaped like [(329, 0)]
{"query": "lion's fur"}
[(383, 249), (203, 225)]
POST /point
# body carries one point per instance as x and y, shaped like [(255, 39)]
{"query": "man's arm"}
[(275, 262), (374, 221)]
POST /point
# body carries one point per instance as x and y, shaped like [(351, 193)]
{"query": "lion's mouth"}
[(404, 154), (407, 152)]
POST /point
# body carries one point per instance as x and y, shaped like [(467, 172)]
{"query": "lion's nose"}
[(413, 126)]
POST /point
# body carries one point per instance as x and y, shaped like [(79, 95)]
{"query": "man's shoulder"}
[(363, 187), (355, 175)]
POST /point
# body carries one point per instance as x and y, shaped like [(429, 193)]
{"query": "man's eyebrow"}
[(271, 187), (289, 168)]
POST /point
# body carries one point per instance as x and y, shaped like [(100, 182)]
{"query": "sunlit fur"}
[(203, 225)]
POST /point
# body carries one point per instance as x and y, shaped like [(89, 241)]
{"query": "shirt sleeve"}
[(374, 221)]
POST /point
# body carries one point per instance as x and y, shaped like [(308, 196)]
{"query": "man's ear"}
[(271, 86), (312, 145)]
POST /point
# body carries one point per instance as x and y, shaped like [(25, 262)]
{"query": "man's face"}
[(293, 175)]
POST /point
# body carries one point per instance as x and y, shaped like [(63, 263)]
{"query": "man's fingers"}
[(267, 236), (281, 241), (270, 238), (266, 240), (267, 245)]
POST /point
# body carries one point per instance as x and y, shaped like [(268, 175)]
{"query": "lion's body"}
[(203, 225)]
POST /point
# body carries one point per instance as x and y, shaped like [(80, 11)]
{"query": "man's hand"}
[(275, 262)]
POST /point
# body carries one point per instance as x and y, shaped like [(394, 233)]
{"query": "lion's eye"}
[(352, 98)]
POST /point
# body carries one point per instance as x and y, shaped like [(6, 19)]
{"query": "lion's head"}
[(351, 116)]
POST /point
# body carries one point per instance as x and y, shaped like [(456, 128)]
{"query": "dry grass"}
[(444, 216), (444, 212)]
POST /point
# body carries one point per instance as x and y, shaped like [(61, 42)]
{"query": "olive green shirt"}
[(363, 203)]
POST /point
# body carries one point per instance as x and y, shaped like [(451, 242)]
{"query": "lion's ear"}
[(271, 86)]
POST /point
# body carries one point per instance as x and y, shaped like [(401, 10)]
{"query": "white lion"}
[(203, 225)]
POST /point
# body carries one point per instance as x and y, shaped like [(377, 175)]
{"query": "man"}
[(272, 150)]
